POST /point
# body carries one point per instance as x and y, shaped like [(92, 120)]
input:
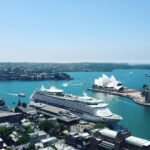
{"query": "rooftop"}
[(137, 141), (109, 82), (7, 113), (48, 139), (47, 148), (53, 109), (108, 133), (84, 135), (59, 113)]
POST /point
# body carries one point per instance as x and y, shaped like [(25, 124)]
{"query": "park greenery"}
[(99, 126), (24, 139), (5, 132), (45, 125), (32, 146), (28, 129), (53, 130)]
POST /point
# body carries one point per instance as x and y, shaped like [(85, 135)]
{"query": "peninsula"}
[(28, 72), (112, 86)]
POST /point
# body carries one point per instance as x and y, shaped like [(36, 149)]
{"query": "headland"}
[(112, 86), (132, 94)]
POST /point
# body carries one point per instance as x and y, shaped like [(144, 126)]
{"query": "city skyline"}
[(75, 31)]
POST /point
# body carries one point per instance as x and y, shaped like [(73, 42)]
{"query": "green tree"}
[(5, 132), (28, 129), (53, 146), (45, 125), (9, 149), (31, 146), (24, 139), (99, 126)]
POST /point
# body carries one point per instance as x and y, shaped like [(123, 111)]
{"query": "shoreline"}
[(135, 96)]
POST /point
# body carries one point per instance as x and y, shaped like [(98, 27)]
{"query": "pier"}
[(61, 114), (129, 93)]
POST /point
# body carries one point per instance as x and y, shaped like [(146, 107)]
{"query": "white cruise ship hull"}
[(97, 119), (91, 118)]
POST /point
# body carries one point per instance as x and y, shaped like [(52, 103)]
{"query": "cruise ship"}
[(88, 108)]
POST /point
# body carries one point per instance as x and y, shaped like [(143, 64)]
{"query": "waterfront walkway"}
[(129, 93)]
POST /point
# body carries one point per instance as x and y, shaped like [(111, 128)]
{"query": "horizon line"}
[(105, 62)]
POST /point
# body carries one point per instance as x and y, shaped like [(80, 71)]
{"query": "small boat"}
[(74, 84), (21, 95)]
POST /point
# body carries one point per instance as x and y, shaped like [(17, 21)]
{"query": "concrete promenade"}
[(129, 93)]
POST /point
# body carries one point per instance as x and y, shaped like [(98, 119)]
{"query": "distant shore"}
[(33, 76), (69, 67)]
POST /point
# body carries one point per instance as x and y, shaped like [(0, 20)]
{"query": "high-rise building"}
[(146, 93)]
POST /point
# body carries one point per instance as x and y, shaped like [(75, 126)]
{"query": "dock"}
[(128, 93), (61, 114)]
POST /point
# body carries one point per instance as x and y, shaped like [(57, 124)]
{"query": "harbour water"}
[(136, 117)]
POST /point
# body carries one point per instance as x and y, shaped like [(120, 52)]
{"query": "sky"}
[(75, 31)]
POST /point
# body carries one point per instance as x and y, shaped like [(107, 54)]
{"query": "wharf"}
[(61, 114), (129, 93)]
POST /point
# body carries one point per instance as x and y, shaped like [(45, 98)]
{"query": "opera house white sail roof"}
[(109, 82)]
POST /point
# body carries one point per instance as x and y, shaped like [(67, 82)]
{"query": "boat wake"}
[(73, 84), (130, 73), (12, 94)]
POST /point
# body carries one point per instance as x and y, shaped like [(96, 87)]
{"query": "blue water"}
[(136, 117)]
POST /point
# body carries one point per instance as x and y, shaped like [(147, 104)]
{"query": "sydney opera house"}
[(108, 83)]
